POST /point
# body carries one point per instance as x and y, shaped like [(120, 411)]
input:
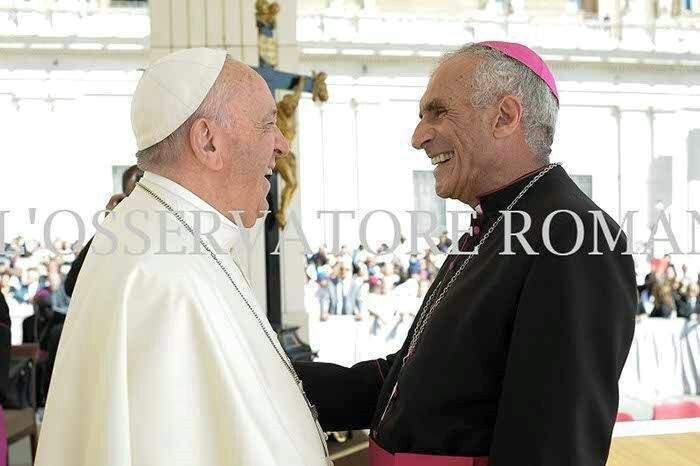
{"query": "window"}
[(584, 183), (426, 200), (117, 172), (660, 179)]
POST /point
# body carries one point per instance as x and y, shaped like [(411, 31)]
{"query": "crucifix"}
[(265, 16)]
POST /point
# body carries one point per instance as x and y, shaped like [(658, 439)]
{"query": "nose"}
[(281, 145), (422, 135)]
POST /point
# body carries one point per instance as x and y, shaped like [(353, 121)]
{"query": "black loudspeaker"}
[(694, 155)]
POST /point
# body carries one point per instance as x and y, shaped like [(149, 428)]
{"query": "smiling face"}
[(254, 143), (455, 135)]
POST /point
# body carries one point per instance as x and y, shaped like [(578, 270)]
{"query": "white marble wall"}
[(204, 23)]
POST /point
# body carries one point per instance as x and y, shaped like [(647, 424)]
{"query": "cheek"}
[(468, 147), (269, 143)]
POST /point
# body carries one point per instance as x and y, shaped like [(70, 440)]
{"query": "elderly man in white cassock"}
[(166, 358)]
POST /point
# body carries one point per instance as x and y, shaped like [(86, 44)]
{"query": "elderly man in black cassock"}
[(515, 355)]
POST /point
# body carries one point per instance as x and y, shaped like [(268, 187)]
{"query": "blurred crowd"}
[(31, 282), (669, 292), (356, 282), (382, 284), (32, 287), (35, 287)]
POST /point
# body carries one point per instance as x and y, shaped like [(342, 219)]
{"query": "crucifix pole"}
[(266, 21)]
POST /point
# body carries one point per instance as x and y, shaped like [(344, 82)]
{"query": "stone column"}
[(292, 259), (228, 24)]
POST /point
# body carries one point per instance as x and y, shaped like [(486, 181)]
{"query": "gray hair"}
[(499, 75), (213, 107)]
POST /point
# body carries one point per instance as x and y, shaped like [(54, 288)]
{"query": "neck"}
[(195, 182), (506, 172)]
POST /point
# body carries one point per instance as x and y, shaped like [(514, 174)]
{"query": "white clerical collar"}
[(227, 235)]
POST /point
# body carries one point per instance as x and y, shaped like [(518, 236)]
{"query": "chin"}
[(441, 195), (442, 192), (248, 222)]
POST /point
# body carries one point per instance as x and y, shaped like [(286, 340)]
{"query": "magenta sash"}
[(380, 457)]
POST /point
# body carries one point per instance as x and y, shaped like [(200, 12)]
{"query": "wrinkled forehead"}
[(252, 94), (450, 81)]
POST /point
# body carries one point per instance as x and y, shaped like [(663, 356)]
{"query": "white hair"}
[(499, 75), (213, 107)]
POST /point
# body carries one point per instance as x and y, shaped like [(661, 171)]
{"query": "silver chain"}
[(429, 306), (283, 357), (425, 316)]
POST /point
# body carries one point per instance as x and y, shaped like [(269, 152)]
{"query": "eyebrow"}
[(432, 106)]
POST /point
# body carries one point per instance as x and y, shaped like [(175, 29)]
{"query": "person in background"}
[(350, 294), (359, 255), (326, 293), (321, 257), (380, 307), (414, 265), (59, 299), (361, 281), (344, 256), (664, 304), (646, 293), (445, 243), (43, 328), (35, 328), (690, 306), (372, 267), (130, 177), (430, 268), (685, 277), (391, 278)]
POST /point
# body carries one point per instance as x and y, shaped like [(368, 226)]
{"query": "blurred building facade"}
[(629, 74)]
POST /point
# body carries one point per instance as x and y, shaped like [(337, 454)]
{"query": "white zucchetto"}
[(171, 90)]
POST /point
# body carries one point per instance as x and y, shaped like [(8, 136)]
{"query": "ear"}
[(204, 144), (508, 116)]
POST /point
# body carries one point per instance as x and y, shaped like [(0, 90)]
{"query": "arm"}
[(570, 338), (345, 397)]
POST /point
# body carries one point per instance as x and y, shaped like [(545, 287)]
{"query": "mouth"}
[(441, 157), (267, 180)]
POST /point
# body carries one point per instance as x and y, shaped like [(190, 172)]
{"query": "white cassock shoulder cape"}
[(161, 363)]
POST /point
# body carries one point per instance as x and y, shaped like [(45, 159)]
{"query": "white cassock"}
[(161, 362)]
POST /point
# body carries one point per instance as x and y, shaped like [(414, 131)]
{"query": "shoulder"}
[(568, 219)]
